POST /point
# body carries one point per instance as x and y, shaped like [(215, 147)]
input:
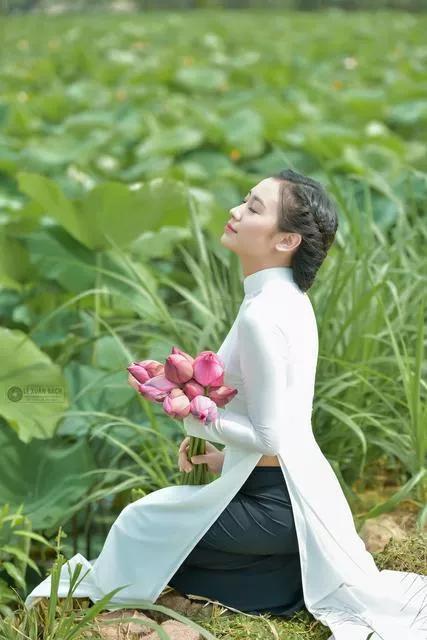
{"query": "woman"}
[(273, 532), (251, 554), (249, 558)]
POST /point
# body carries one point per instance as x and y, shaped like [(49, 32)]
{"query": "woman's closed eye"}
[(253, 210)]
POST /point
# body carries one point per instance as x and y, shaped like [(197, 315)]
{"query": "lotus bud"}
[(145, 369), (176, 404), (176, 391), (218, 382), (193, 389), (156, 388), (139, 373), (204, 409), (153, 367), (222, 395), (178, 369), (151, 393), (183, 353), (208, 367)]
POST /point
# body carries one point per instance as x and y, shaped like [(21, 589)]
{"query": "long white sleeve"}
[(263, 352)]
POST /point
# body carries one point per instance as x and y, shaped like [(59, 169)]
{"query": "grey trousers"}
[(249, 558)]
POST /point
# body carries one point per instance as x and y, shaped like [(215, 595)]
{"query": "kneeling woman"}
[(249, 557)]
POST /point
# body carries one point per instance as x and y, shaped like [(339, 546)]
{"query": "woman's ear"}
[(289, 242)]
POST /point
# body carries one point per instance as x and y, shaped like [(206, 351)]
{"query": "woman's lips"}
[(229, 228)]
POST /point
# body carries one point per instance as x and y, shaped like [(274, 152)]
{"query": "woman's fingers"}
[(214, 460), (183, 462), (184, 443)]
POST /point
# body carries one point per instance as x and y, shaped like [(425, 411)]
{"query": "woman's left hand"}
[(213, 457)]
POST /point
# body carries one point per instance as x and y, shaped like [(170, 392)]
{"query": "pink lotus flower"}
[(183, 353), (185, 385), (222, 395), (193, 389), (145, 369), (176, 404), (204, 409), (218, 382), (139, 373), (156, 388), (178, 369), (208, 368)]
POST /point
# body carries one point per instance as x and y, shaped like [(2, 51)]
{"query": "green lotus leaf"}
[(32, 389), (46, 477)]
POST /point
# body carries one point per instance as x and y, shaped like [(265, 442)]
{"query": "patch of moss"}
[(409, 554)]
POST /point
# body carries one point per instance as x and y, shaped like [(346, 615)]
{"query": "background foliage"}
[(54, 6), (124, 142)]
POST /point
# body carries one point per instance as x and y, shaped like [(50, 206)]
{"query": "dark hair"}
[(306, 208)]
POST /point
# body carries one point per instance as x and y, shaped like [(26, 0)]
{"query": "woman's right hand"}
[(213, 457)]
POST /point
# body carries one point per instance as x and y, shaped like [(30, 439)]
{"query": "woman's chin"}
[(224, 241), (227, 234)]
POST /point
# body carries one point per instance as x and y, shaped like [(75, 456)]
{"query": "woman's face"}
[(256, 239)]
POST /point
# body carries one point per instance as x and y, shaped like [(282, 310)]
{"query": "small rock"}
[(376, 532), (121, 630)]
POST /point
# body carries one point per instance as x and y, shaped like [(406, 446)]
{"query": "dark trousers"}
[(249, 558)]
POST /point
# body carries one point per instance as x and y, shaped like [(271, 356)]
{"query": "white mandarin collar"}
[(254, 282)]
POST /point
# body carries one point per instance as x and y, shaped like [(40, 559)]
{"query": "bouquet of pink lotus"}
[(184, 385)]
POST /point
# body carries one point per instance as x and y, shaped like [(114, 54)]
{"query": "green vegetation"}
[(124, 142)]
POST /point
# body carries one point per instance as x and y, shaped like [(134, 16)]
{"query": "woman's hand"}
[(213, 457)]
